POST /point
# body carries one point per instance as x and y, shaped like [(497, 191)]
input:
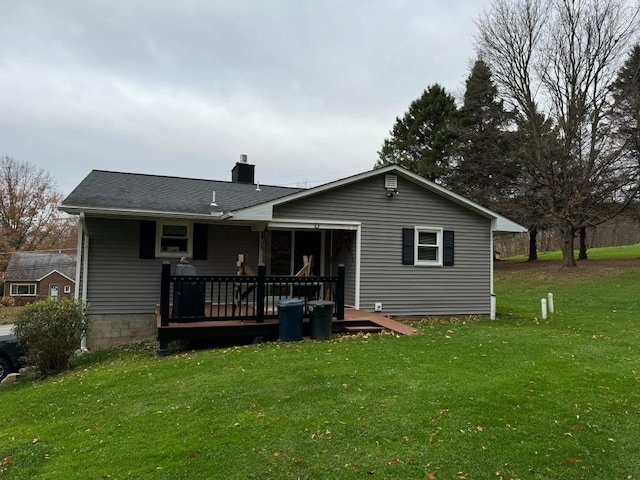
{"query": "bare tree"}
[(29, 216), (558, 59)]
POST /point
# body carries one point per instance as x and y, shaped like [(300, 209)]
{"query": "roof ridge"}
[(152, 175)]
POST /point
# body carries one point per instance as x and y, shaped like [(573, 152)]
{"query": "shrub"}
[(51, 330), (7, 302)]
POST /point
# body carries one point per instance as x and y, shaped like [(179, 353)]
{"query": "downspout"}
[(83, 244), (357, 272), (76, 293), (492, 314)]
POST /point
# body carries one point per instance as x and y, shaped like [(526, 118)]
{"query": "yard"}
[(7, 314), (466, 398)]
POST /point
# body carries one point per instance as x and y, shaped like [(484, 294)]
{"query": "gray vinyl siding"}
[(122, 283), (462, 289)]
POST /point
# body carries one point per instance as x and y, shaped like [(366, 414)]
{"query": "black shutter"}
[(447, 253), (200, 238), (408, 235), (147, 239)]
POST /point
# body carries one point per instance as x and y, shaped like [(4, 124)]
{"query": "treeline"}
[(548, 131)]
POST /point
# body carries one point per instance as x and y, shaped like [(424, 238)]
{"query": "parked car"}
[(11, 353)]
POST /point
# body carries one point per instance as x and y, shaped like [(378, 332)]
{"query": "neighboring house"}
[(32, 276), (410, 246)]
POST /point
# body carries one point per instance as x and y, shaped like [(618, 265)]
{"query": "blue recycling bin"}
[(321, 313), (290, 311)]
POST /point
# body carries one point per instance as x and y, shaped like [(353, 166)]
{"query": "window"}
[(23, 289), (428, 246), (67, 289), (173, 239)]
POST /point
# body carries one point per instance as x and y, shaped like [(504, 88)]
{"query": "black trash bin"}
[(321, 316), (290, 312)]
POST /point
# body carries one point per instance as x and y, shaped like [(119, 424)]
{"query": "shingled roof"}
[(154, 193), (33, 266)]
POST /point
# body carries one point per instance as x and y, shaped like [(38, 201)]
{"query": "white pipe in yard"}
[(550, 302), (543, 304)]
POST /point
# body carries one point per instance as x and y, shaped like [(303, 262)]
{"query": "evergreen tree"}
[(485, 168), (626, 105), (425, 139)]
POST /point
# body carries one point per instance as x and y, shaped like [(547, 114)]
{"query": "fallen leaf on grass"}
[(431, 476), (393, 461), (6, 461)]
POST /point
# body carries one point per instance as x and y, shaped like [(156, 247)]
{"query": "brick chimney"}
[(243, 172)]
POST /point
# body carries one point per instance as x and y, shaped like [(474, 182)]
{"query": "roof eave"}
[(124, 212)]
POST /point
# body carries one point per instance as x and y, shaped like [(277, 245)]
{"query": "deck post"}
[(260, 291), (165, 288), (340, 292)]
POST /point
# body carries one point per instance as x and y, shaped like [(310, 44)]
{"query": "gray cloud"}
[(308, 89)]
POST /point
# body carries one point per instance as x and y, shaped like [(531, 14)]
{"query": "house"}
[(32, 276), (409, 246)]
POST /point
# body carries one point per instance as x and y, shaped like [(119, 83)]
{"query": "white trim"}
[(491, 262), (358, 263), (66, 289), (123, 212), (296, 223), (182, 253), (23, 284), (85, 273), (59, 273), (439, 246), (82, 227)]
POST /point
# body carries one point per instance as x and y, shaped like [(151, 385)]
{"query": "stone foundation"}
[(111, 330)]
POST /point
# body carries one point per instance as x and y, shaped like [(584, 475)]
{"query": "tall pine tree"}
[(626, 106), (425, 139), (485, 169)]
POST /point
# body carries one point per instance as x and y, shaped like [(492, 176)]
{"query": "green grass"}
[(600, 253), (466, 398)]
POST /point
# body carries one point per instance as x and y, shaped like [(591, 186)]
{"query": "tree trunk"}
[(582, 255), (533, 245), (566, 233)]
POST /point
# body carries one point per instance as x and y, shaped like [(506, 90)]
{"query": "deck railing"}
[(231, 297)]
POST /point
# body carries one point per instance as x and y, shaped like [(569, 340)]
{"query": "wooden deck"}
[(354, 320)]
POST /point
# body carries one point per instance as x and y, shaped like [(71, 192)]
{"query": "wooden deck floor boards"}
[(351, 315)]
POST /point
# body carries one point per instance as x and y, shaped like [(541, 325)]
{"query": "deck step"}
[(363, 329)]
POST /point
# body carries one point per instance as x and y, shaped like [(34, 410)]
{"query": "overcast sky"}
[(307, 89)]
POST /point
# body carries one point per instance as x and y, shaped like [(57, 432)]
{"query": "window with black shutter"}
[(427, 246)]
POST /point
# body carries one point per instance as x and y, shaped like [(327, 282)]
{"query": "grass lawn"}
[(464, 399)]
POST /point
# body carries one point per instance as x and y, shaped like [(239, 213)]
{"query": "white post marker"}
[(543, 304), (550, 302)]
